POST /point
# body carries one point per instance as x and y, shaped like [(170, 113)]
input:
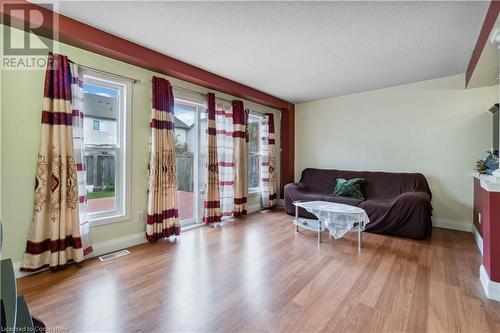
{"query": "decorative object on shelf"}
[(488, 164), (480, 167)]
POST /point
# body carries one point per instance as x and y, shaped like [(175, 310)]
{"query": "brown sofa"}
[(396, 203)]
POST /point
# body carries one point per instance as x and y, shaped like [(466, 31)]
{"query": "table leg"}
[(359, 237), (319, 232), (296, 218)]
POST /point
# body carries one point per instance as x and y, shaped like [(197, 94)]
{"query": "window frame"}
[(181, 102), (122, 150), (260, 118)]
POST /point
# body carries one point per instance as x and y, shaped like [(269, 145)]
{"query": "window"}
[(101, 125), (106, 107), (254, 122), (95, 125), (190, 155)]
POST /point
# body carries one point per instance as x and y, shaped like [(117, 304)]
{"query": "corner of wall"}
[(452, 224)]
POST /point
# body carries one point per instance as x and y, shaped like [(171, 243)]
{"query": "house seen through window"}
[(254, 122), (105, 110)]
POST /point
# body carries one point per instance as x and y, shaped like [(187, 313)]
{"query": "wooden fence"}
[(185, 177)]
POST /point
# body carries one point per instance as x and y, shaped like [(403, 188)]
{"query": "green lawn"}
[(101, 194)]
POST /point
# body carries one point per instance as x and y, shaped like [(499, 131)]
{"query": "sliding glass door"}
[(189, 120)]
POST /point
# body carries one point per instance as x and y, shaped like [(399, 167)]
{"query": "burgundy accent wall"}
[(491, 233), (488, 24), (478, 205)]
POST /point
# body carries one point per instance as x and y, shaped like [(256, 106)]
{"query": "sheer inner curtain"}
[(79, 154), (268, 160), (211, 204), (225, 155), (226, 184), (54, 238), (240, 137)]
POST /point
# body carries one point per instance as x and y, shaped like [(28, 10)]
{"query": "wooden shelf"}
[(308, 224)]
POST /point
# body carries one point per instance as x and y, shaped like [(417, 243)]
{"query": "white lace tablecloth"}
[(337, 218)]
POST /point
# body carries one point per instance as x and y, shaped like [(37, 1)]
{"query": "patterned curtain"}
[(163, 216), (54, 237), (212, 212), (78, 146), (267, 167), (240, 137), (225, 154)]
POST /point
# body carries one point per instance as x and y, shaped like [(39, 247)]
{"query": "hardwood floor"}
[(255, 275)]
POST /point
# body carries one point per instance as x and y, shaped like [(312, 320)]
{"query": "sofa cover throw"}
[(397, 203)]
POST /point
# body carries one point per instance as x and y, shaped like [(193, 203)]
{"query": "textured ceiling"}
[(301, 51)]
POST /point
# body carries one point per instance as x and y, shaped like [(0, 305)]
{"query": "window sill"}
[(192, 226), (253, 192), (95, 222)]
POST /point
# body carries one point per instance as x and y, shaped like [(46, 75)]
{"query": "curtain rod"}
[(139, 81), (199, 93), (109, 73), (204, 94)]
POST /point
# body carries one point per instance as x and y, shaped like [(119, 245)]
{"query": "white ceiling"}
[(301, 51)]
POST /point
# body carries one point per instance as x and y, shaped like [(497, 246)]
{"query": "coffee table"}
[(337, 218)]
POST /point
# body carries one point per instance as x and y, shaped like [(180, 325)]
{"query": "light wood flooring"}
[(256, 275)]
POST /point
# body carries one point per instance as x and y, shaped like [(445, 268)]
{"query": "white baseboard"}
[(254, 208), (100, 248), (113, 245), (452, 224), (17, 270), (491, 288), (478, 239)]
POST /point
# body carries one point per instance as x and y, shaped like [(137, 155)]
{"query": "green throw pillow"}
[(349, 188)]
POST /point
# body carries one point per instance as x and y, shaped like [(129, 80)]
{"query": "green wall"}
[(21, 101)]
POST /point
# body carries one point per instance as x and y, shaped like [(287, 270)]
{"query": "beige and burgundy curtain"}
[(163, 215), (267, 167), (225, 156), (212, 211), (240, 137), (79, 154), (54, 237)]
